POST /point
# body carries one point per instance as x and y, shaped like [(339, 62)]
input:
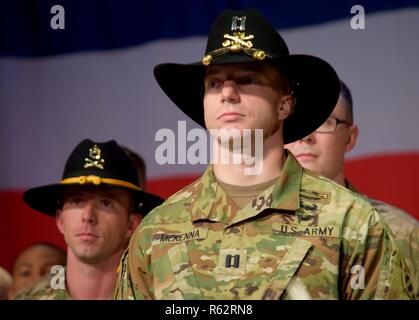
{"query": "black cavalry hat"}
[(245, 36), (96, 164)]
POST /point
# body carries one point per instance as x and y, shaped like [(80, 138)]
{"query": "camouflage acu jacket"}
[(406, 231), (42, 290), (304, 237)]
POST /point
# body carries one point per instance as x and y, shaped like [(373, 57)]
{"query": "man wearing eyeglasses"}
[(282, 233), (323, 151)]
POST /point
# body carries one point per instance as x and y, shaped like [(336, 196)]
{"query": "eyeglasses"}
[(330, 125)]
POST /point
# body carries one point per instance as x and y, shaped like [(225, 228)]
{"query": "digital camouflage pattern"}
[(304, 228), (42, 290), (406, 231)]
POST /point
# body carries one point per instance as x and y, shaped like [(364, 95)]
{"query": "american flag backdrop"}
[(93, 79)]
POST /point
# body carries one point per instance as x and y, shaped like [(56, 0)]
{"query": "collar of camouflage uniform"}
[(283, 195)]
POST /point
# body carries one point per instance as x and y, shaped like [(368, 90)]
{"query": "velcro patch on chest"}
[(231, 262), (177, 237), (328, 231)]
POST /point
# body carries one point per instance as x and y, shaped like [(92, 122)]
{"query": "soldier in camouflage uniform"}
[(323, 151), (44, 290), (33, 263), (97, 205), (283, 233)]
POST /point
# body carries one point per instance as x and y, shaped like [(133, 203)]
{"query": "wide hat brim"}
[(46, 199), (314, 82)]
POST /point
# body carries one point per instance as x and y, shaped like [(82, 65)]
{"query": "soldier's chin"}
[(89, 257), (90, 260)]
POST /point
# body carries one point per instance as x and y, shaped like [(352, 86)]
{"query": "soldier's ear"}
[(59, 221), (352, 138), (134, 221), (286, 106)]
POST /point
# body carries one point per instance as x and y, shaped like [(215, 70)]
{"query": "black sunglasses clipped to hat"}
[(95, 164), (245, 36)]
